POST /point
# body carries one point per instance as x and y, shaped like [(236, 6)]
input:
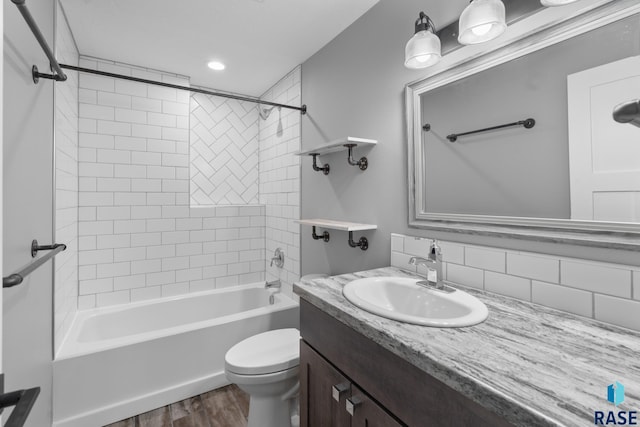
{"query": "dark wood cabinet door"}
[(366, 412), (323, 392)]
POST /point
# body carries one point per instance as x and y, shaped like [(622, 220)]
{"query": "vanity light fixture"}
[(216, 65), (423, 49), (552, 3), (481, 21)]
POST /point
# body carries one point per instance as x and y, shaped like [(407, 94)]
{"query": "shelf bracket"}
[(324, 236), (324, 169), (363, 243), (363, 163)]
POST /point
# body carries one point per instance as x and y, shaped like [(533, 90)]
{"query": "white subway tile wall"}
[(603, 291), (280, 179), (224, 150), (563, 298), (139, 238), (66, 184), (618, 311)]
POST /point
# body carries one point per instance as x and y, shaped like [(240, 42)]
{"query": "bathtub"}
[(117, 362)]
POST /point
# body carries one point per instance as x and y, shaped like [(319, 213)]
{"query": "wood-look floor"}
[(224, 407)]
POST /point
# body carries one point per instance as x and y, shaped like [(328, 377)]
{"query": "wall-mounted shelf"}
[(350, 227), (337, 145), (347, 143)]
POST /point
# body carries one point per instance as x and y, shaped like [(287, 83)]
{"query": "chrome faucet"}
[(433, 262), (274, 284)]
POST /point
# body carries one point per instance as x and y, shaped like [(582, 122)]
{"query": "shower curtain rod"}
[(302, 109), (59, 75)]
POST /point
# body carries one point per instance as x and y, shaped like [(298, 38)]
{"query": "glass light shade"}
[(551, 3), (481, 21), (422, 50)]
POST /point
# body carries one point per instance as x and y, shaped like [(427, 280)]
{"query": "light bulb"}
[(216, 65), (481, 30), (481, 21), (553, 3), (422, 50)]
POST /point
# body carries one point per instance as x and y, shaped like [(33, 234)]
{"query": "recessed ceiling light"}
[(216, 65)]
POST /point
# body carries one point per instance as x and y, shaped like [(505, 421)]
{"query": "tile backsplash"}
[(602, 291)]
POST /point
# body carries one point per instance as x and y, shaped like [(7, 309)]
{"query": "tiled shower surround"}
[(280, 179), (139, 235), (602, 291), (66, 183), (223, 151)]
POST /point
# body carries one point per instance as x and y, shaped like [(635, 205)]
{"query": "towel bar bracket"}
[(35, 247)]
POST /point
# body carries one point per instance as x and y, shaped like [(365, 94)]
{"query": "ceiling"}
[(259, 40)]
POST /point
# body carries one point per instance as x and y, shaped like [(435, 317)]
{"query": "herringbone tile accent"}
[(224, 151)]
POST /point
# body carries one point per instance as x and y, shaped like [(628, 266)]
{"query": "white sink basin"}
[(400, 298)]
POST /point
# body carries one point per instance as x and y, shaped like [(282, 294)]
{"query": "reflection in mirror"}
[(575, 163)]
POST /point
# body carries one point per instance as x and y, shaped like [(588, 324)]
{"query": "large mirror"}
[(549, 161)]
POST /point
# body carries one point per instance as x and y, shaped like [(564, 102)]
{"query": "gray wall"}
[(28, 159), (354, 86), (513, 172)]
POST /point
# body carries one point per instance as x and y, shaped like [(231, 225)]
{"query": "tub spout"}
[(274, 284)]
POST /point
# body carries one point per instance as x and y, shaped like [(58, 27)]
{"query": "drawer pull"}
[(338, 389), (352, 403)]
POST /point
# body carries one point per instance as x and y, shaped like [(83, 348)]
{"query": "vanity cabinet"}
[(388, 391), (329, 399)]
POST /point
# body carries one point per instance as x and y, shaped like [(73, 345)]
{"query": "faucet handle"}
[(435, 248), (278, 257)]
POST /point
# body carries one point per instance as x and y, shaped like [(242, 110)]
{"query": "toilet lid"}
[(265, 353)]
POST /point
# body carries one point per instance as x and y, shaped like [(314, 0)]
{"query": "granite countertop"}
[(533, 365)]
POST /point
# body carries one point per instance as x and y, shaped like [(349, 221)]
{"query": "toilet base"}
[(271, 396), (269, 412)]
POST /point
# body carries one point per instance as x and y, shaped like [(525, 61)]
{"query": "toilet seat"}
[(271, 378), (265, 353)]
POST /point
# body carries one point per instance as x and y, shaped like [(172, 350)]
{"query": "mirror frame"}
[(625, 236)]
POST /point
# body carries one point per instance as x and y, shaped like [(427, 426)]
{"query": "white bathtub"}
[(121, 361)]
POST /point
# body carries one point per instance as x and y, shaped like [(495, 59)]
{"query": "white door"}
[(604, 155)]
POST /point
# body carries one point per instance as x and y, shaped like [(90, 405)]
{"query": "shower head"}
[(628, 112), (264, 112)]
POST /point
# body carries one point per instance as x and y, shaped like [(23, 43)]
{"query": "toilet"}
[(266, 367)]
